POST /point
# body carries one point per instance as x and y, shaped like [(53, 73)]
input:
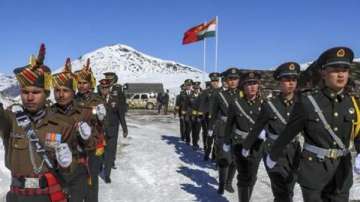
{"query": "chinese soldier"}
[(275, 114), (195, 118), (218, 112), (205, 98), (242, 114), (64, 84), (186, 111), (86, 98), (37, 141), (326, 116), (178, 111)]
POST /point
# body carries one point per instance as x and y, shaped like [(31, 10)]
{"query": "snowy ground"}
[(154, 165)]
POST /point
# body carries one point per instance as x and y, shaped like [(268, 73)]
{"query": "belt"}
[(272, 136), (28, 182), (242, 134), (321, 153)]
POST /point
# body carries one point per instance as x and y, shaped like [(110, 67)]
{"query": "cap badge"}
[(233, 71), (251, 75), (340, 53), (291, 67)]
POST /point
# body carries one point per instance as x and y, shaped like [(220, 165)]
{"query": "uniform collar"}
[(287, 102), (334, 96)]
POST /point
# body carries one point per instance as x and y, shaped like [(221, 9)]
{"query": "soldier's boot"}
[(230, 177), (222, 179), (243, 194)]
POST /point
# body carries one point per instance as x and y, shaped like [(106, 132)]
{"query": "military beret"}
[(287, 69), (249, 77), (232, 72), (336, 57), (214, 76)]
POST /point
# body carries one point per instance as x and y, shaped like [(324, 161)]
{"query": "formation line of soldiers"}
[(242, 128), (56, 152)]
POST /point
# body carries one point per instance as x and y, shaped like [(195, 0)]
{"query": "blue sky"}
[(255, 34)]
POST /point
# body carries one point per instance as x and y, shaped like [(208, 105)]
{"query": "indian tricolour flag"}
[(200, 32)]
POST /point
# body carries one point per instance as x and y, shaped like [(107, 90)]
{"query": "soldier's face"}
[(104, 90), (188, 87), (84, 86), (215, 84), (63, 95), (33, 98), (232, 83), (251, 88), (288, 85), (336, 78)]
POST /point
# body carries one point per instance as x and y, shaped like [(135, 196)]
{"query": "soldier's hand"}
[(210, 133), (245, 152), (357, 164), (269, 162), (226, 148), (63, 155), (84, 130), (125, 134), (262, 135), (100, 112)]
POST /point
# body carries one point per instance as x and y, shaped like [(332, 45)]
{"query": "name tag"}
[(53, 140)]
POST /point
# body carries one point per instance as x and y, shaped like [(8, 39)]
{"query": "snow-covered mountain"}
[(134, 66)]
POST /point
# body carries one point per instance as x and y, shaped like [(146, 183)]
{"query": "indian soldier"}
[(116, 90), (326, 116), (111, 124), (64, 84), (86, 98), (205, 98), (36, 140), (219, 105), (242, 113), (186, 111), (275, 114), (195, 119), (178, 111)]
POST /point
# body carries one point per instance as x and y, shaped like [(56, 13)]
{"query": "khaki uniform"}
[(77, 181), (95, 156), (18, 154)]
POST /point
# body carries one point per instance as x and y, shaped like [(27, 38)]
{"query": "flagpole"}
[(216, 44), (204, 58)]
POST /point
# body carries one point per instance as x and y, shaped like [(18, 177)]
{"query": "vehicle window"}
[(144, 96), (136, 97)]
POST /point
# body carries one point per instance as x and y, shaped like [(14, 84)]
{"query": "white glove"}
[(357, 164), (262, 135), (100, 112), (84, 130), (63, 155), (210, 133), (245, 152), (226, 147), (269, 162)]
